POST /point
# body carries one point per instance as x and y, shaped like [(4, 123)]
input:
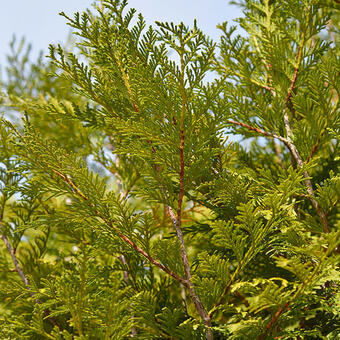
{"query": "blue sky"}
[(39, 22)]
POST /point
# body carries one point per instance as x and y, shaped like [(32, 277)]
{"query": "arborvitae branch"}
[(194, 297), (67, 179), (262, 132), (22, 275), (177, 221), (273, 320), (119, 234), (309, 185), (8, 245), (314, 148), (14, 258), (308, 281), (294, 151), (256, 253)]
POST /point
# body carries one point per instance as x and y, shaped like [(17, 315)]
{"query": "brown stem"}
[(220, 301), (288, 142), (301, 287), (316, 146), (244, 300), (177, 220), (181, 179), (260, 131), (294, 151), (273, 320), (15, 261), (149, 257), (118, 233), (22, 275)]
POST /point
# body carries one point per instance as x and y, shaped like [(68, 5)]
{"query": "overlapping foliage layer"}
[(125, 210)]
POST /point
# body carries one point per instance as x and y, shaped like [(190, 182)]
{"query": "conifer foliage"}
[(125, 210)]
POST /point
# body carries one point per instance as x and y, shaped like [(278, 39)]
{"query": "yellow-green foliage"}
[(125, 210)]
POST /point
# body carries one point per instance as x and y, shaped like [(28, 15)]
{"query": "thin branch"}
[(273, 320), (258, 130), (303, 284), (314, 149), (181, 178), (308, 183), (149, 257), (196, 300), (177, 221), (15, 261), (220, 300), (22, 275), (294, 150), (118, 233), (243, 299)]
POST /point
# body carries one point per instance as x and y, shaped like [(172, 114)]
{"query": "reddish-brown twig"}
[(258, 130)]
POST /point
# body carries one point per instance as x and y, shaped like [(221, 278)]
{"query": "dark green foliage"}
[(125, 210)]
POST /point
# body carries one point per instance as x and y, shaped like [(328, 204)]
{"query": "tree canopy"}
[(157, 184)]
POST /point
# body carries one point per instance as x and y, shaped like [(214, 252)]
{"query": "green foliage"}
[(125, 210)]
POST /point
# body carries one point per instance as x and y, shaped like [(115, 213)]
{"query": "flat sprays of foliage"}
[(156, 184)]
